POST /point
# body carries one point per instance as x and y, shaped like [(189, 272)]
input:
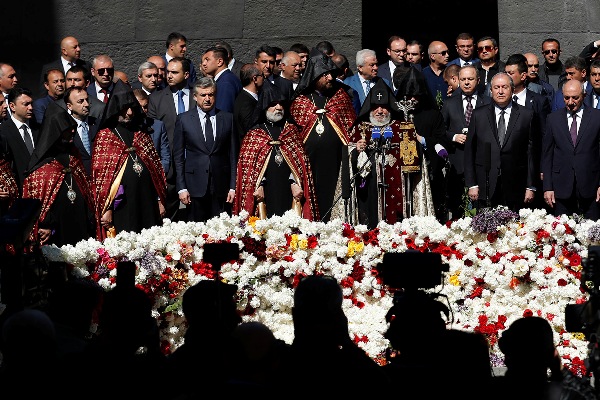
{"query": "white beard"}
[(380, 121), (274, 116)]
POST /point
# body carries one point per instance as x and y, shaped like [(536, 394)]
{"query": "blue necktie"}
[(85, 138), (180, 103), (208, 132)]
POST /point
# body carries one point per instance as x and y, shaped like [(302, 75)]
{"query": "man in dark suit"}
[(147, 78), (457, 111), (396, 51), (8, 80), (214, 64), (592, 97), (177, 47), (20, 132), (465, 48), (54, 83), (164, 105), (103, 72), (78, 105), (70, 55), (516, 68), (265, 61), (571, 156), (206, 162), (79, 77), (245, 102), (234, 65), (500, 150), (157, 130)]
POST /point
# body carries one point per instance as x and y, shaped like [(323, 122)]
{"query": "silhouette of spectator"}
[(210, 309), (29, 357), (322, 345), (530, 354)]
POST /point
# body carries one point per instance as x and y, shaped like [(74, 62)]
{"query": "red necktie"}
[(105, 95)]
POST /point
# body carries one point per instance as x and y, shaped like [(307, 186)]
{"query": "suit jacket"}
[(138, 85), (541, 107), (161, 105), (91, 89), (39, 107), (558, 101), (456, 61), (454, 118), (236, 67), (354, 82), (196, 164), (192, 78), (161, 142), (515, 159), (384, 72), (57, 64), (285, 86), (567, 166), (16, 145), (228, 87), (86, 158), (243, 110)]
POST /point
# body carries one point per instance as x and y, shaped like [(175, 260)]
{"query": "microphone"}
[(441, 151), (388, 133), (375, 133), (487, 156)]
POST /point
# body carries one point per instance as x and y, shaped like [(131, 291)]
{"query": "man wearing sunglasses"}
[(553, 70), (103, 72), (489, 65), (434, 72)]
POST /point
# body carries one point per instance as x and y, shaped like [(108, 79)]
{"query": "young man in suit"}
[(465, 48), (570, 161), (78, 105), (214, 64), (265, 60), (54, 83), (157, 131), (177, 47), (457, 111), (500, 150), (396, 51), (205, 153), (165, 106), (245, 103), (19, 131)]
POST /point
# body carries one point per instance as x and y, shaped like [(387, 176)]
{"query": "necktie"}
[(469, 110), (208, 132), (105, 99), (180, 103), (515, 99), (598, 102), (467, 63), (85, 138), (27, 139), (367, 87), (501, 128), (573, 129)]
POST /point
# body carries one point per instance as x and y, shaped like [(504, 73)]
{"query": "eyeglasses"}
[(546, 52), (485, 48), (399, 51), (102, 71), (533, 65), (442, 53)]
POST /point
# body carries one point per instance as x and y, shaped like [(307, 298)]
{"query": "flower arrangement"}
[(501, 266)]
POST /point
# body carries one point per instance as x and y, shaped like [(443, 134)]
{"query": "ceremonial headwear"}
[(269, 95), (414, 85), (379, 95), (56, 121), (121, 98), (315, 67)]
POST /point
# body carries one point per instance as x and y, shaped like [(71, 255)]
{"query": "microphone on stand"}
[(375, 138), (387, 135)]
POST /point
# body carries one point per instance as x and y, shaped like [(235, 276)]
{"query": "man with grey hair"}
[(147, 77), (103, 72), (500, 151), (205, 152), (366, 76)]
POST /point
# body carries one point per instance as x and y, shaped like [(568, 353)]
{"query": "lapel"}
[(197, 127), (512, 121), (461, 109), (492, 121), (566, 127), (582, 125)]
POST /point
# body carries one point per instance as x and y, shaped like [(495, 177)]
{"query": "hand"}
[(460, 138), (474, 194), (161, 209), (549, 198), (184, 197), (230, 196), (529, 195), (44, 235), (598, 195), (259, 194), (297, 191), (106, 221)]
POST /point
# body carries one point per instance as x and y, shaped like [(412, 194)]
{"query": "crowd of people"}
[(298, 129)]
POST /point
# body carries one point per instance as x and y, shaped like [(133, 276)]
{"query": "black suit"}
[(161, 105), (285, 86), (20, 155), (573, 171), (206, 173), (453, 112), (512, 165), (243, 111), (96, 106)]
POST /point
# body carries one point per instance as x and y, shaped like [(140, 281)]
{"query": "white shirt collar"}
[(19, 123)]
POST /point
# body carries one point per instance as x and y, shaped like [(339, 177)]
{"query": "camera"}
[(412, 269)]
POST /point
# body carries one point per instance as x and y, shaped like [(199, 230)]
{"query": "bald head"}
[(438, 53), (573, 94), (533, 66), (70, 49)]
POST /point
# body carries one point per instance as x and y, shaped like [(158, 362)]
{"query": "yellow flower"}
[(303, 244), (294, 242), (454, 280), (354, 247)]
